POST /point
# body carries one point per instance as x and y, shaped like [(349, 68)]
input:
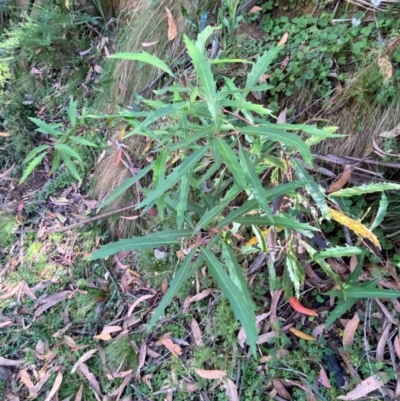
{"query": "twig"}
[(90, 220)]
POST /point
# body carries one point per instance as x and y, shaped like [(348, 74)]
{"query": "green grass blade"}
[(82, 141), (46, 128), (72, 111), (367, 189), (31, 166), (278, 221), (203, 70), (184, 272), (34, 152), (67, 150), (181, 207), (71, 166), (245, 105), (160, 167), (313, 189), (284, 137), (187, 165), (144, 58), (261, 66), (150, 241), (199, 134), (359, 292), (339, 252), (126, 185), (254, 182), (343, 305), (243, 312)]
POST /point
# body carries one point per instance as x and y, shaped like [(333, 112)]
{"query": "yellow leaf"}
[(302, 335), (254, 240), (355, 226)]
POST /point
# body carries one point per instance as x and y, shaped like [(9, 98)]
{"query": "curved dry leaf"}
[(301, 334), (90, 377), (79, 394), (175, 349), (392, 133), (281, 389), (172, 30), (55, 388), (274, 305), (196, 333), (350, 330), (254, 9), (298, 307), (263, 338), (4, 134), (365, 387), (323, 378), (282, 116), (26, 379), (164, 286), (141, 357), (147, 44), (318, 331), (200, 296), (284, 39), (387, 313), (87, 355), (355, 226), (231, 390), (380, 348), (341, 181), (10, 362), (396, 344), (137, 302), (211, 374), (385, 67)]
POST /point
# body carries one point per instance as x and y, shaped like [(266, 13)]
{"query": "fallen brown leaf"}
[(10, 362), (323, 378), (79, 394), (172, 30), (254, 9), (284, 39), (385, 67), (281, 389), (392, 133), (368, 385), (210, 374), (141, 357), (175, 349), (87, 355), (231, 390), (83, 368), (148, 44), (196, 333), (56, 387), (137, 302), (341, 181), (380, 348), (350, 330)]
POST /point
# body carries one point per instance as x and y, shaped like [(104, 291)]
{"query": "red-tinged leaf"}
[(350, 330), (323, 378), (301, 334), (118, 157), (200, 296), (298, 307), (172, 30), (210, 374)]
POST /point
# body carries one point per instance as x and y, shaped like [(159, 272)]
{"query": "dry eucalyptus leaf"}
[(341, 181), (284, 39), (172, 30), (231, 390), (350, 330), (365, 387), (211, 374), (254, 9), (56, 387), (200, 296), (282, 117), (148, 44), (90, 378), (392, 133), (380, 348), (323, 378), (396, 344), (281, 389), (175, 349), (196, 333), (87, 355)]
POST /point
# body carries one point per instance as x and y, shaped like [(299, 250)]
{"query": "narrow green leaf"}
[(203, 70), (184, 272), (296, 273), (245, 105), (82, 141), (236, 273), (327, 132), (160, 166), (150, 241), (383, 204), (229, 60), (144, 58), (71, 166), (47, 128), (65, 149), (278, 221), (117, 192), (181, 208), (34, 152), (31, 166), (179, 172), (367, 189), (255, 183), (284, 137), (202, 38), (343, 305), (339, 252), (252, 204), (313, 189), (56, 161), (261, 66), (232, 162), (241, 309), (72, 111), (216, 211), (200, 133), (262, 244)]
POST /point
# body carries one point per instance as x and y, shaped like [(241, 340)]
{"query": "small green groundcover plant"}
[(221, 144), (65, 145)]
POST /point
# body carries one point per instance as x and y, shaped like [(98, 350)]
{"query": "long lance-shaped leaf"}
[(380, 215), (367, 189), (71, 166), (31, 166), (232, 162), (68, 150), (32, 154), (210, 215), (183, 199), (260, 67), (236, 273), (126, 185), (314, 190), (159, 169), (184, 272), (145, 58), (47, 128), (339, 252), (359, 292), (188, 164), (236, 298), (284, 137), (203, 133), (341, 308), (255, 183), (203, 70), (252, 204), (150, 241), (309, 129)]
